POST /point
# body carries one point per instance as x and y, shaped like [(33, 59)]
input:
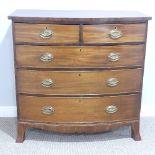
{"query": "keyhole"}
[(79, 74), (80, 50)]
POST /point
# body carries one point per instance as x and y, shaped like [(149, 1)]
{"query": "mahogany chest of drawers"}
[(78, 71)]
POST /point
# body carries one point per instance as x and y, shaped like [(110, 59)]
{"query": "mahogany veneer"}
[(79, 71), (79, 56)]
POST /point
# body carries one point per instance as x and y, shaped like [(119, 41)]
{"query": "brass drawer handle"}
[(115, 33), (113, 57), (111, 109), (47, 57), (112, 82), (47, 110), (46, 34), (47, 82)]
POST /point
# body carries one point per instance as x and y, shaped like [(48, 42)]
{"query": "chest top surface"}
[(77, 15)]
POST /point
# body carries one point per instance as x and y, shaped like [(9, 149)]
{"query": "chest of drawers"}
[(78, 71)]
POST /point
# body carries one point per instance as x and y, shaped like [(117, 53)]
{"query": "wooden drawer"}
[(79, 82), (98, 109), (37, 33), (114, 33), (82, 56)]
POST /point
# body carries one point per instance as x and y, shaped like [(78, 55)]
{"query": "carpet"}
[(38, 142)]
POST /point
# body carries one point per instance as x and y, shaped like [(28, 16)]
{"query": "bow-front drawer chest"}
[(78, 71)]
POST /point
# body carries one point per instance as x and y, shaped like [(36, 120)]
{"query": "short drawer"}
[(46, 33), (114, 33), (79, 82), (98, 109), (79, 56)]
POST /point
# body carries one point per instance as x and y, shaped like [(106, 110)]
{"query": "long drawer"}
[(79, 82), (46, 33), (79, 56), (65, 109), (114, 33)]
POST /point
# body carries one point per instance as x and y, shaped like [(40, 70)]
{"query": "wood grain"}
[(79, 82), (80, 69), (61, 33), (100, 33), (79, 109), (135, 133), (79, 56), (78, 127), (77, 16)]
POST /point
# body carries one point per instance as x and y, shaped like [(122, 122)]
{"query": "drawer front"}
[(82, 56), (114, 33), (46, 33), (79, 82), (101, 109)]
